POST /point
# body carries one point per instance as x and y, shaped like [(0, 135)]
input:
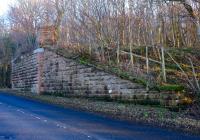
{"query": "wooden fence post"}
[(118, 52), (163, 65), (147, 64)]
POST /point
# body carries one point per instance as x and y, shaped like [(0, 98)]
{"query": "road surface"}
[(23, 119)]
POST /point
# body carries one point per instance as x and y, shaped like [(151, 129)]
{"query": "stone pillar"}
[(40, 61)]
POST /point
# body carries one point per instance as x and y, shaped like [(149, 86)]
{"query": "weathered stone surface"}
[(46, 72), (26, 72), (42, 72)]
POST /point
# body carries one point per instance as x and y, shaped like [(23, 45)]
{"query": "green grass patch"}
[(171, 88)]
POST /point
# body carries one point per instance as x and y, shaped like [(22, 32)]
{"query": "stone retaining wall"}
[(26, 72), (45, 71), (67, 76)]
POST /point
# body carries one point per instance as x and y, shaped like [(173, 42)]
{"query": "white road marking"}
[(38, 118), (35, 117), (20, 111), (58, 125), (45, 120), (61, 126)]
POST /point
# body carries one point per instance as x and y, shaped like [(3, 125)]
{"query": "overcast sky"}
[(4, 5)]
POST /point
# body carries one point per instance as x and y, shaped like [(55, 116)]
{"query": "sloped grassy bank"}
[(176, 80), (172, 85), (151, 115)]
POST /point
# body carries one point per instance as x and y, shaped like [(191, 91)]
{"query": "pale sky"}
[(4, 5)]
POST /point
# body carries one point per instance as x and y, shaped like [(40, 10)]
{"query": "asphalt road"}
[(23, 119)]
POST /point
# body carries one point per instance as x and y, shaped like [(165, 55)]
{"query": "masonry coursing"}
[(47, 72)]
